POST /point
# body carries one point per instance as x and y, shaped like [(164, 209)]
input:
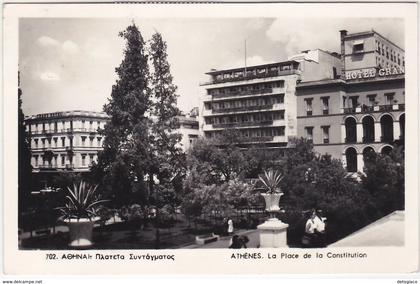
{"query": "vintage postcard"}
[(210, 138)]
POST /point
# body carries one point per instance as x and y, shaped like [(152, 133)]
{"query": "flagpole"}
[(245, 59)]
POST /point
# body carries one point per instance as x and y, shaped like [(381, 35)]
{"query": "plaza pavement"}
[(387, 231), (223, 242)]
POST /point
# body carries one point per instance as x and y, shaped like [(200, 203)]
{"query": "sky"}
[(69, 63)]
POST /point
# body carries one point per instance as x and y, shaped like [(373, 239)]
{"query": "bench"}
[(205, 239)]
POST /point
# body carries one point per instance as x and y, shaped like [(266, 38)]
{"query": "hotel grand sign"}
[(374, 72)]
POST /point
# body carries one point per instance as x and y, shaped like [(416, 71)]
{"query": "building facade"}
[(362, 111), (259, 102), (65, 141), (188, 128)]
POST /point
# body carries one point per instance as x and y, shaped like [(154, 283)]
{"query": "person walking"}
[(230, 226)]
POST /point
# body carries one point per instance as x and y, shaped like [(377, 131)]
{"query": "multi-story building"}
[(188, 128), (361, 111), (259, 101), (65, 141)]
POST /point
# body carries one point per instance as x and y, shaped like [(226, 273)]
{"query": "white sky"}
[(69, 64)]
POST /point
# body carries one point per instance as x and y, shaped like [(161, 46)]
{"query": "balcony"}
[(256, 139), (368, 139), (243, 93), (243, 124), (245, 108), (69, 166), (387, 139), (349, 140), (376, 108), (45, 166)]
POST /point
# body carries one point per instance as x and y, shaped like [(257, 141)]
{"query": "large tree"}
[(126, 157), (24, 157), (168, 156)]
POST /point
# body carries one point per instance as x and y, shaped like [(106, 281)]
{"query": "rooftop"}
[(371, 32), (71, 113), (275, 64)]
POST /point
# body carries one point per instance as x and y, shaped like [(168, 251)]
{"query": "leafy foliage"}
[(271, 181), (82, 202), (126, 156), (24, 159), (384, 178)]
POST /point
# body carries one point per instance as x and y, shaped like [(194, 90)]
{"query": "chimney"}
[(343, 34)]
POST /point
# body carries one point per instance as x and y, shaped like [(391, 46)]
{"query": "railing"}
[(387, 139), (69, 166), (248, 108), (45, 166), (242, 124), (350, 140), (368, 139), (256, 139), (378, 108), (241, 77), (243, 93)]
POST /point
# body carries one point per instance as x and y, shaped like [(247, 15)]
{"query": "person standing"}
[(309, 237), (230, 226)]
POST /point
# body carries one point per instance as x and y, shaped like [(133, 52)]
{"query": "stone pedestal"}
[(273, 233)]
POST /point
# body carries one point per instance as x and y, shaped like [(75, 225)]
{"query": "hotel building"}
[(69, 141), (260, 101), (363, 110), (65, 141)]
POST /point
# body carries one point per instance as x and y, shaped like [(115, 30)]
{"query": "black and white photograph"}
[(260, 136)]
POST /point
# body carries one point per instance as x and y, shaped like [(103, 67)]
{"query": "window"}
[(308, 103), (358, 46), (354, 101), (325, 134), (83, 140), (371, 100), (325, 104), (389, 97), (309, 131)]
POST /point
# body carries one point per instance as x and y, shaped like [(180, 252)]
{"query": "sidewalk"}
[(223, 242), (387, 231)]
